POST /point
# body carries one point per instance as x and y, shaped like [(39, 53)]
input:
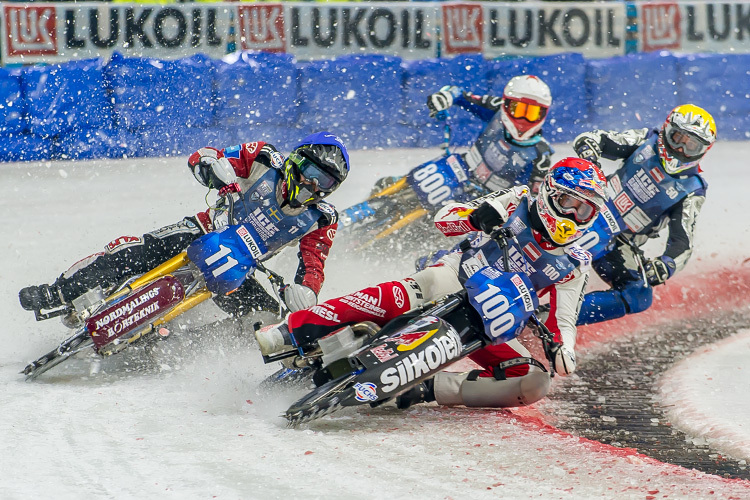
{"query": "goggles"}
[(581, 210), (519, 109), (312, 173), (691, 145)]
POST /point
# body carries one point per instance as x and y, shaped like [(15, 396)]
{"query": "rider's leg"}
[(492, 387), (379, 304), (629, 293), (126, 255)]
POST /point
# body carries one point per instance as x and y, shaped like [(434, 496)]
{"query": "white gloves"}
[(565, 361), (211, 170), (299, 297)]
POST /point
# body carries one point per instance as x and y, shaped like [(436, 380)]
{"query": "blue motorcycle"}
[(399, 211), (363, 365), (140, 308)]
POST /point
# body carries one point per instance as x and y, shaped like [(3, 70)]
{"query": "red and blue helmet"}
[(570, 198), (315, 168)]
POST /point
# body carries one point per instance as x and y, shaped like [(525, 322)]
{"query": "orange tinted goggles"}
[(531, 112)]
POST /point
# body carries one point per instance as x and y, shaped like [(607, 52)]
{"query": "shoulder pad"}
[(275, 159), (576, 252), (330, 215)]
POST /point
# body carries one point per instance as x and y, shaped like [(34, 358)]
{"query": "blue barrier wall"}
[(130, 107)]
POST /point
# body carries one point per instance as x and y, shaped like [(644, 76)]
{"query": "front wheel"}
[(326, 399)]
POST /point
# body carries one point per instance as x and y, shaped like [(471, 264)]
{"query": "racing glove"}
[(565, 360), (298, 297), (660, 270), (211, 169), (587, 147), (487, 217), (442, 100)]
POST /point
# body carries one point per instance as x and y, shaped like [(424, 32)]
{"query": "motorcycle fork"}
[(392, 189), (164, 269)]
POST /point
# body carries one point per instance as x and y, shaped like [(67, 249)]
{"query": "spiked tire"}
[(73, 345), (324, 400)]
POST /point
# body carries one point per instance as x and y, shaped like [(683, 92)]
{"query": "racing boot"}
[(273, 339), (420, 393), (35, 298)]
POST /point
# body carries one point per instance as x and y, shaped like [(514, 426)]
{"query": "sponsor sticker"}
[(398, 296), (623, 203), (432, 355), (365, 391), (532, 252), (636, 220), (277, 161), (326, 208), (249, 242), (122, 242), (609, 218), (528, 302), (614, 186), (581, 255), (233, 151), (457, 168), (657, 174)]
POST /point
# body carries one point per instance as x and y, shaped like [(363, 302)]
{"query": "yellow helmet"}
[(687, 134)]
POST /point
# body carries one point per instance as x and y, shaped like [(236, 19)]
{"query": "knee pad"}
[(439, 280), (637, 297)]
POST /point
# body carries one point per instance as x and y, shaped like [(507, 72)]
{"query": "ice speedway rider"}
[(283, 200), (657, 186), (511, 149), (546, 228)]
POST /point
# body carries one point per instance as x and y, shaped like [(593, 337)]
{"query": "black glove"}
[(486, 218), (442, 100), (587, 148), (659, 270)]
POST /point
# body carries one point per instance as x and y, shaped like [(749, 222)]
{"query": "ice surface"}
[(190, 423)]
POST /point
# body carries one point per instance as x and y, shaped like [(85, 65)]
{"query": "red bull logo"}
[(412, 340)]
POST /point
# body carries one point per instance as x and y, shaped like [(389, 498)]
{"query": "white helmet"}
[(526, 100)]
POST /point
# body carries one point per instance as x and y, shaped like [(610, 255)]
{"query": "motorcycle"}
[(398, 212), (137, 309), (362, 364)]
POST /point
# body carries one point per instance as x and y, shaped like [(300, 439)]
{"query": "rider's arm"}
[(617, 145), (565, 302), (682, 218), (540, 165), (245, 157), (453, 218), (313, 252), (482, 106)]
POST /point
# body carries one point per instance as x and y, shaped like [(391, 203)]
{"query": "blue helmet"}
[(315, 168)]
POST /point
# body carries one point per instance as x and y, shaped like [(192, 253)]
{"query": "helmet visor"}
[(312, 173), (531, 112), (691, 145), (581, 210)]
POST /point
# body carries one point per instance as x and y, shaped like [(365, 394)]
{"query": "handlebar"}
[(502, 235)]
